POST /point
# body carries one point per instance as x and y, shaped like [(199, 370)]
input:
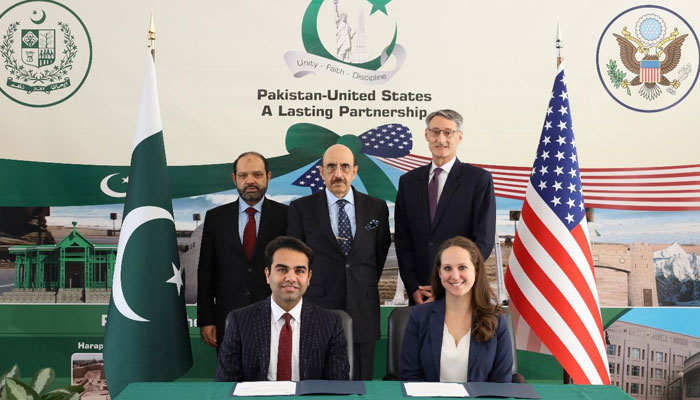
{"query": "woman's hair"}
[(486, 308)]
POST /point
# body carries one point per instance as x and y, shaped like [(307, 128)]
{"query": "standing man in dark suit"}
[(283, 338), (231, 263), (438, 201), (349, 233)]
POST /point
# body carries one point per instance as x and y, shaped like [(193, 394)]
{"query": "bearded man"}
[(231, 272)]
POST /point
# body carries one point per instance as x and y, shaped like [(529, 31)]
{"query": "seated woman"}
[(462, 336)]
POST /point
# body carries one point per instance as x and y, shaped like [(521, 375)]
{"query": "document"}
[(435, 389), (491, 389), (265, 388)]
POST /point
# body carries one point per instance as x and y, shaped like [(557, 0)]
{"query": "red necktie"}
[(249, 234), (284, 351)]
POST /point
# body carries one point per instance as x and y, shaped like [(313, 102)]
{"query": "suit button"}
[(347, 265), (247, 293), (430, 244), (250, 269)]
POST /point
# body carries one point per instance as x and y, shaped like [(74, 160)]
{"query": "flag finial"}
[(559, 45), (152, 37)]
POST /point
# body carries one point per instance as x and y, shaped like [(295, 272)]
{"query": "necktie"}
[(284, 351), (249, 233), (344, 231), (433, 193)]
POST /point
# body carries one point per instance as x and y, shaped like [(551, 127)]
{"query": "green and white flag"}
[(147, 337)]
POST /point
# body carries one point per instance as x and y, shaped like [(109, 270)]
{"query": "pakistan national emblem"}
[(645, 58), (46, 53)]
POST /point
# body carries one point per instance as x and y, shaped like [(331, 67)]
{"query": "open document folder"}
[(287, 388), (469, 389)]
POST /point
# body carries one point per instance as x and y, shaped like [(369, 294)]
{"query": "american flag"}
[(550, 278), (311, 178), (669, 188), (650, 71), (387, 141), (661, 188)]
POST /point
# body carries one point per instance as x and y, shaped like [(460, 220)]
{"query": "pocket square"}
[(372, 224)]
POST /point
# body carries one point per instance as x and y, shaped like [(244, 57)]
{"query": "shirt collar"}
[(278, 311), (331, 199), (242, 205), (445, 168)]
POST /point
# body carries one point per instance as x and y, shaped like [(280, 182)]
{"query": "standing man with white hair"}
[(438, 201), (349, 233)]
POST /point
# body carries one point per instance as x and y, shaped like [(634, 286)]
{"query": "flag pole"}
[(152, 38), (559, 45)]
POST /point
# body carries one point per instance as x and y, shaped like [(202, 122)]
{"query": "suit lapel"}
[(264, 318), (437, 326), (325, 220), (420, 190), (474, 348), (260, 238), (361, 218), (306, 334), (451, 185), (233, 227)]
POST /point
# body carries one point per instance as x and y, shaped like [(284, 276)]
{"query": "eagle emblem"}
[(649, 56)]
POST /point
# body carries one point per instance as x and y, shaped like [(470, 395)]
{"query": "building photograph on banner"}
[(580, 117)]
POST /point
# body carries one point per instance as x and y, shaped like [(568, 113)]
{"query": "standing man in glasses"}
[(438, 201), (349, 234)]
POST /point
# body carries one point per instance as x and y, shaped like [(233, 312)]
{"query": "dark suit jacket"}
[(226, 280), (490, 361), (245, 350), (339, 282), (467, 207)]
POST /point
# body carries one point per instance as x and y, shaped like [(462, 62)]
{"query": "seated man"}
[(280, 338)]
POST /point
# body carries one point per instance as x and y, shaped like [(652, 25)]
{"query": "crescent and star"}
[(315, 46), (109, 192), (41, 20), (135, 219)]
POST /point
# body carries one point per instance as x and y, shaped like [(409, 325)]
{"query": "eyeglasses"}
[(435, 132), (331, 168)]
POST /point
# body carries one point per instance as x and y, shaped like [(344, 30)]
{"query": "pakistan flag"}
[(147, 337)]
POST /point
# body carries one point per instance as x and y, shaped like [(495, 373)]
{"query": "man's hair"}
[(452, 115), (250, 153), (287, 242)]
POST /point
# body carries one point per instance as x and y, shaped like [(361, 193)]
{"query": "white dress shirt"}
[(454, 360), (334, 208), (243, 216), (277, 322), (442, 178)]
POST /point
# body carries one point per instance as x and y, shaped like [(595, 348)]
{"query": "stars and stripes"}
[(670, 188), (311, 178), (550, 277), (650, 71), (388, 141)]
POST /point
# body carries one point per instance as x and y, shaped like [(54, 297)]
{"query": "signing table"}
[(376, 390)]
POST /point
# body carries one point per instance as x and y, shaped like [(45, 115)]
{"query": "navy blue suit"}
[(467, 207), (490, 361), (244, 354)]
